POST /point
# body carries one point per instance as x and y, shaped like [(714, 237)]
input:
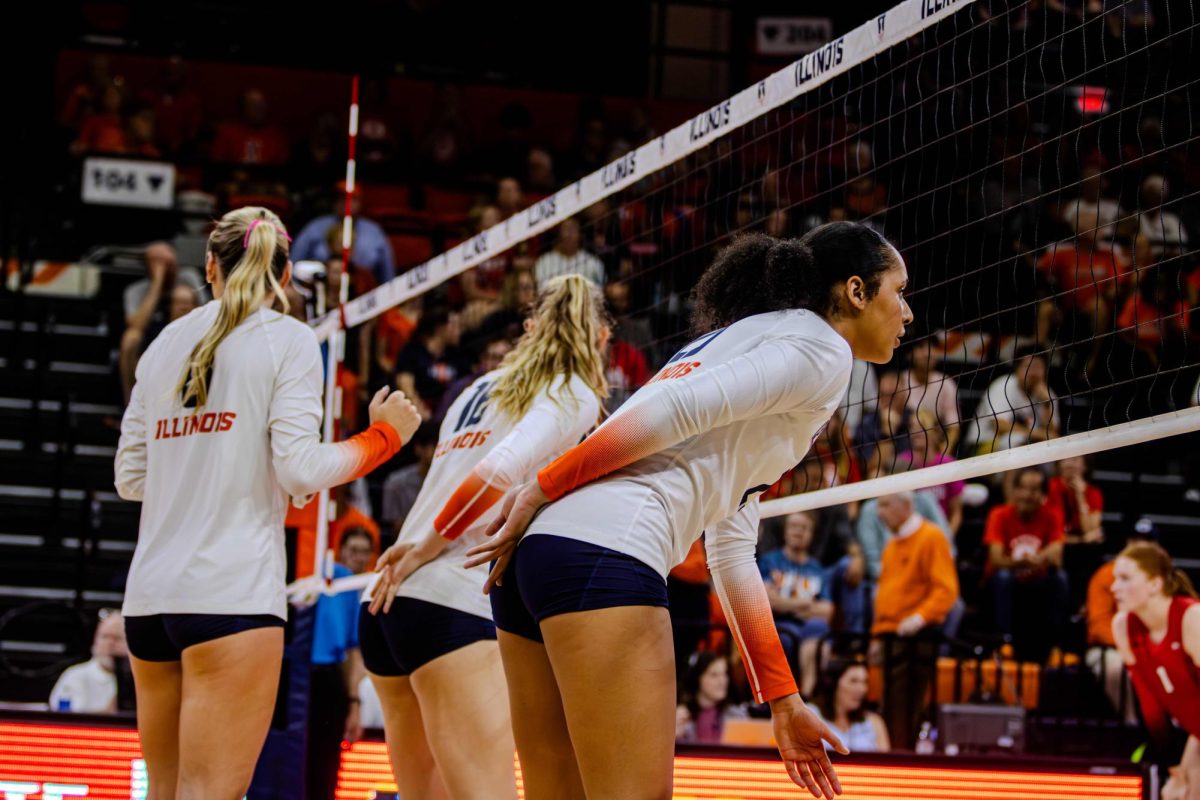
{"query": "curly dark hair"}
[(759, 273)]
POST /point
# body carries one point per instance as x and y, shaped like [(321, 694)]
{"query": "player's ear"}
[(855, 293)]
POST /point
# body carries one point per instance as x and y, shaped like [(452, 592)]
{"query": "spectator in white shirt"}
[(1091, 200), (91, 687), (568, 256), (931, 390), (1018, 408), (1162, 229)]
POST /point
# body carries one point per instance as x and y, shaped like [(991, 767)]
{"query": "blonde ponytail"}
[(564, 341), (250, 246)]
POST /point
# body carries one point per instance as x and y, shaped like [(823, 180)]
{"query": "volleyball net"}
[(1037, 170)]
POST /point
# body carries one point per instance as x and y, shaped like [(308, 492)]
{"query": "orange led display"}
[(46, 762), (365, 772), (43, 762)]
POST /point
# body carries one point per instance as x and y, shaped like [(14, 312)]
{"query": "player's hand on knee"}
[(396, 410)]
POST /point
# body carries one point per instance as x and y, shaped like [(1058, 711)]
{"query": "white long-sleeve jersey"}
[(691, 451), (481, 453), (214, 482)]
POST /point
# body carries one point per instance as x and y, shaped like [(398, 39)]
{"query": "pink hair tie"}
[(255, 223)]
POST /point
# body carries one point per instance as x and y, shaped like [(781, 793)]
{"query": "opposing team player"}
[(427, 636), (223, 425), (1157, 632), (585, 635)]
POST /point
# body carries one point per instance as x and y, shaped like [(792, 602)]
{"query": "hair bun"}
[(788, 253)]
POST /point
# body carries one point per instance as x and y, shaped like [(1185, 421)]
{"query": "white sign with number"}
[(118, 182), (792, 36)]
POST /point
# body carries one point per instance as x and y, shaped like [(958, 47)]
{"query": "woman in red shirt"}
[(1079, 502), (1080, 505), (1157, 632)]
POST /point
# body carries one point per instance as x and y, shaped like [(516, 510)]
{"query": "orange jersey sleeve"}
[(743, 595), (557, 419), (468, 503), (372, 447), (772, 378), (619, 442), (314, 466)]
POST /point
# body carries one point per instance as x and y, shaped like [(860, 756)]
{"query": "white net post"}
[(336, 351)]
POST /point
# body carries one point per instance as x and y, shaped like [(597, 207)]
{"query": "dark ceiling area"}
[(550, 44), (602, 48)]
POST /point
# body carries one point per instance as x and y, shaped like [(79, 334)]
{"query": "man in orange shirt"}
[(918, 585), (1025, 554)]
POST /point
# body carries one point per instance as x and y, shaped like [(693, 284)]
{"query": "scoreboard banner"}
[(48, 760)]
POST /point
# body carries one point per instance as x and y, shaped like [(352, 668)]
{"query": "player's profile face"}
[(881, 324), (1131, 586)]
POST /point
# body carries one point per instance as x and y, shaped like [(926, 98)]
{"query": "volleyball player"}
[(223, 425), (580, 606), (1157, 632), (432, 652)]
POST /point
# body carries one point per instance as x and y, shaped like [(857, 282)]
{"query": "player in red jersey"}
[(1157, 632)]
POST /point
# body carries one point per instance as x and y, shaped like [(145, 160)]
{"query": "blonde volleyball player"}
[(779, 324), (427, 636), (223, 425)]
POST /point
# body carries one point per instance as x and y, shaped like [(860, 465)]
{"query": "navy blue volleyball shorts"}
[(164, 637), (551, 575), (414, 633)]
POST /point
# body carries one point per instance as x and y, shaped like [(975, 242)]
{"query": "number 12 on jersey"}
[(696, 346), (472, 412)]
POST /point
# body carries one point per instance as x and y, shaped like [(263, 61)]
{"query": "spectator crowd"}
[(1108, 282)]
